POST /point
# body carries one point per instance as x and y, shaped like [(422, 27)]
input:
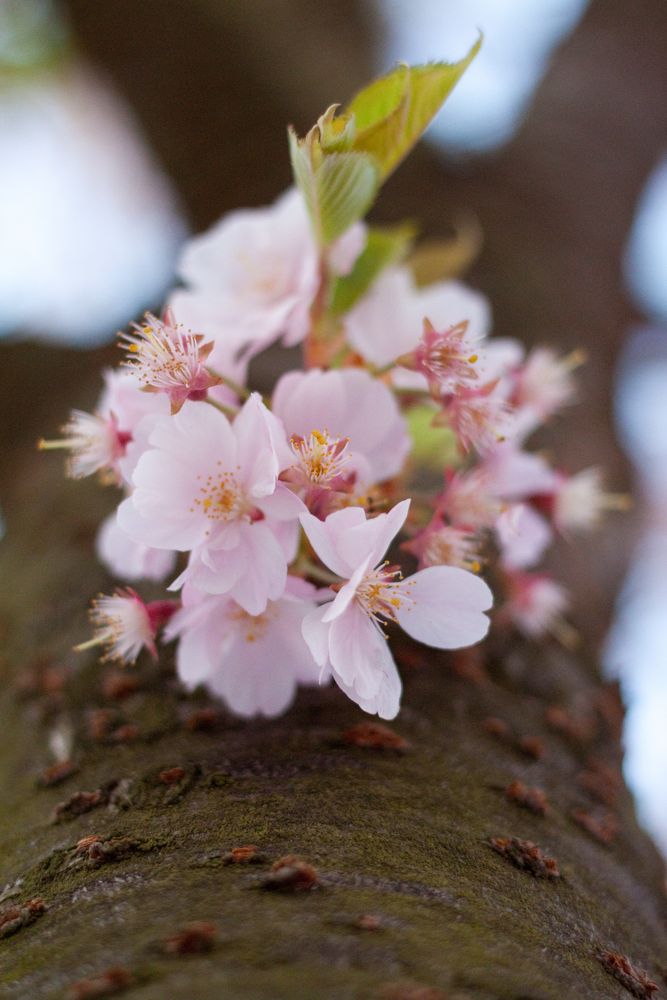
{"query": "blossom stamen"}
[(251, 627), (382, 592), (167, 359), (445, 358), (123, 625), (321, 457), (452, 547), (95, 443), (221, 498)]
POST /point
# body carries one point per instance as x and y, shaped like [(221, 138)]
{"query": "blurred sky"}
[(91, 223), (488, 105)]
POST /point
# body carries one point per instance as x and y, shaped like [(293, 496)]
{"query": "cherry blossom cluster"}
[(283, 524)]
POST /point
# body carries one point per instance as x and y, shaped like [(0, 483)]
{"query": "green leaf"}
[(347, 184), (338, 187), (391, 113), (385, 245), (442, 260), (433, 447), (340, 164), (380, 99)]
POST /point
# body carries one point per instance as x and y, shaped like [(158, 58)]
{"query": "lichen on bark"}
[(400, 838)]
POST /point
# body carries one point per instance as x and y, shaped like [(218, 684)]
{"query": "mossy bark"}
[(398, 836)]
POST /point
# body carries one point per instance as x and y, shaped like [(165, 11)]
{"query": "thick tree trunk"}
[(409, 887)]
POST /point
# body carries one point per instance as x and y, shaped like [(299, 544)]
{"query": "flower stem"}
[(316, 572), (384, 369), (240, 390), (229, 411)]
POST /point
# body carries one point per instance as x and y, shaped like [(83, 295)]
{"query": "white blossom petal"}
[(444, 607)]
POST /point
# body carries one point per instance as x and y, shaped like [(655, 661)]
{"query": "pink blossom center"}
[(382, 592), (251, 627), (122, 625), (163, 357), (221, 498), (321, 457), (447, 356), (451, 547)]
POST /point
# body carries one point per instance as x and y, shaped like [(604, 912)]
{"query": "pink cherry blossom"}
[(535, 605), (446, 358), (579, 501), (254, 275), (124, 624), (103, 441), (522, 535), (544, 384), (253, 662), (388, 321), (468, 499), (347, 405), (321, 474), (123, 396), (440, 544), (514, 474), (133, 411), (480, 418), (165, 358), (442, 606), (130, 560), (94, 443), (321, 459), (209, 487), (261, 499)]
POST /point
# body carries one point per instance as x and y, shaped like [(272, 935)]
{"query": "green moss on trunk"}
[(399, 836)]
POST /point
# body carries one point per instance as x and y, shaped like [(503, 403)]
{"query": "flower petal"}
[(316, 635), (444, 607), (371, 538), (386, 701), (256, 454), (265, 570), (347, 592), (357, 651), (324, 536)]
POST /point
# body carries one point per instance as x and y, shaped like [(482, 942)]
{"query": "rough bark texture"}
[(398, 836)]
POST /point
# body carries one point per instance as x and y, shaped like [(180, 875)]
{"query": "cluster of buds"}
[(271, 517)]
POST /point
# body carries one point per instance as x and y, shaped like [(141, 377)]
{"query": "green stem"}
[(384, 369), (229, 411), (240, 390), (310, 569)]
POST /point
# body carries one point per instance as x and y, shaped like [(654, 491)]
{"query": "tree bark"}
[(409, 888)]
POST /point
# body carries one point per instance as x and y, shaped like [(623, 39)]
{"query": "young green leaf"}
[(432, 447), (442, 260), (338, 188), (343, 159), (391, 113), (385, 245)]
